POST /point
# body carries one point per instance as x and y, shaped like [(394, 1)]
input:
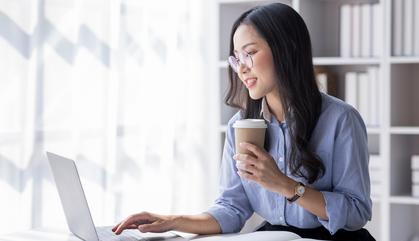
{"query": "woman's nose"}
[(243, 68)]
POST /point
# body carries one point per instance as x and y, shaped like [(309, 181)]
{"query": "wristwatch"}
[(299, 191)]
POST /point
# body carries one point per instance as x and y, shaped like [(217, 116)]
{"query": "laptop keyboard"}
[(106, 234)]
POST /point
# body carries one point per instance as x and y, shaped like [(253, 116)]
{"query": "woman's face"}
[(260, 79)]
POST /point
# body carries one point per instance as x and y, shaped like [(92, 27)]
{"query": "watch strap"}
[(296, 195)]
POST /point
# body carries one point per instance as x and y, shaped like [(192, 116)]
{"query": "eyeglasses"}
[(244, 58)]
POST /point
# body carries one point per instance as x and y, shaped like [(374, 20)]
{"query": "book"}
[(408, 28), (415, 177), (397, 28), (351, 89), (375, 162), (416, 28), (356, 30), (375, 168), (363, 97), (415, 162), (415, 190), (376, 175), (366, 30), (261, 235), (326, 81), (322, 82), (377, 30), (345, 30), (374, 90)]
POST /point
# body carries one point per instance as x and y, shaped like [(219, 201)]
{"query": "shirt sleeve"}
[(232, 208), (348, 204)]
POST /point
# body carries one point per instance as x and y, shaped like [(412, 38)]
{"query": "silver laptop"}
[(77, 211)]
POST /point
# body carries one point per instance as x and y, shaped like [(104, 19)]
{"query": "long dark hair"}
[(288, 38)]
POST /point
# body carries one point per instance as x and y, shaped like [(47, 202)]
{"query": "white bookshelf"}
[(404, 60), (395, 211), (325, 61)]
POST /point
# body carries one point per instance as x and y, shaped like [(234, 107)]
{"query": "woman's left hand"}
[(261, 168)]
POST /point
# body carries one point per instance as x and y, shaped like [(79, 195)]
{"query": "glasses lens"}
[(248, 60), (233, 63), (245, 59)]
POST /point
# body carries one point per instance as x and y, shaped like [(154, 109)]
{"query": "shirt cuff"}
[(336, 211), (225, 218)]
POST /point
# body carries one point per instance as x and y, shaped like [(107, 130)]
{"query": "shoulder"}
[(238, 116), (230, 130), (337, 111), (335, 105)]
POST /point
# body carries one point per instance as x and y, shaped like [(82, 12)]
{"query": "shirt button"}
[(281, 218), (281, 159)]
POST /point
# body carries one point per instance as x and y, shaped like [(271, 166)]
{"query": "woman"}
[(313, 179)]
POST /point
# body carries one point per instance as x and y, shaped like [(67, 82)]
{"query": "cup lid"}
[(250, 123)]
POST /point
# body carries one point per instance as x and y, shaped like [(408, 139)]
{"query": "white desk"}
[(63, 235)]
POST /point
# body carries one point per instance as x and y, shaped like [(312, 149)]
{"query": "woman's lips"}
[(250, 82)]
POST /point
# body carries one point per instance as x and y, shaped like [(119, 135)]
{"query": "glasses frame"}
[(243, 58)]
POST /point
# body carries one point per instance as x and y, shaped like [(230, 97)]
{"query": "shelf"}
[(404, 60), (323, 22), (345, 61), (404, 130), (376, 200), (404, 200), (374, 225), (404, 97), (324, 33), (322, 61), (374, 144), (395, 138), (373, 130), (402, 149), (229, 11), (404, 223)]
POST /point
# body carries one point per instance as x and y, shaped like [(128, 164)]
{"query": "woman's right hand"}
[(146, 222)]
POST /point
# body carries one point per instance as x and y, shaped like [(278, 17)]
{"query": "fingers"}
[(245, 158), (133, 221), (246, 175), (246, 167), (132, 226), (156, 227), (116, 227), (259, 152)]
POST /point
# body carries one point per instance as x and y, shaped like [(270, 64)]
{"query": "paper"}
[(260, 236)]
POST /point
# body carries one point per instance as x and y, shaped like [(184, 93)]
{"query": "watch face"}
[(300, 190)]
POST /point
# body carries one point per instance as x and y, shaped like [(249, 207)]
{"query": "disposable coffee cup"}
[(251, 131)]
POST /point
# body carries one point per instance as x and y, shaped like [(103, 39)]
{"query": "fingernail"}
[(241, 143)]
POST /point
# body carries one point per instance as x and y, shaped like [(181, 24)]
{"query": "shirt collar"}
[(264, 112)]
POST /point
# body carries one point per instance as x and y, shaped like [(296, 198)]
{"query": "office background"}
[(133, 90)]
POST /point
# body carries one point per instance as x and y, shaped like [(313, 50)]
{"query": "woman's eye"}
[(251, 52)]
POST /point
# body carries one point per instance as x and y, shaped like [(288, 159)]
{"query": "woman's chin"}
[(255, 96)]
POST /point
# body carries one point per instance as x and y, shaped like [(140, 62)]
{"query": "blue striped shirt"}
[(339, 139)]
